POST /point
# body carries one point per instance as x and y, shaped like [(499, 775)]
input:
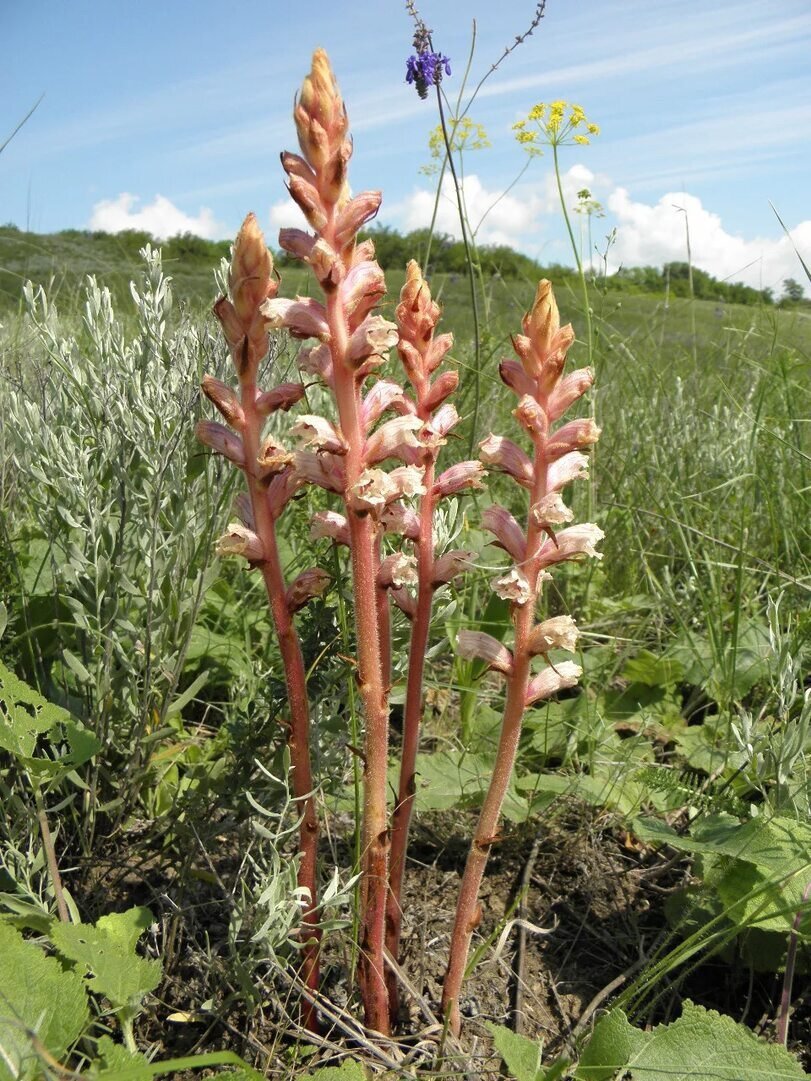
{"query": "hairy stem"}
[(412, 719), (296, 681), (468, 912)]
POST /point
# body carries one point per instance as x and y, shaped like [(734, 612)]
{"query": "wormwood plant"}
[(344, 455)]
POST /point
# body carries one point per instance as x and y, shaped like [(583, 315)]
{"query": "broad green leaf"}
[(36, 995), (522, 1056), (701, 1045), (448, 779), (107, 954), (653, 671), (115, 1057)]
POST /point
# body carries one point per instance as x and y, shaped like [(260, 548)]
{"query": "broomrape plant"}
[(377, 455)]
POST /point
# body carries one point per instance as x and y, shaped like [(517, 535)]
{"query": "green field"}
[(695, 644)]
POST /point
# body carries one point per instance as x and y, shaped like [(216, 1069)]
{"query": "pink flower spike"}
[(513, 586), (397, 518), (225, 399), (220, 439), (325, 470), (318, 432), (513, 374), (551, 510), (384, 395), (559, 632), (569, 389), (478, 646), (575, 434), (309, 584), (282, 398), (577, 540), (302, 317), (451, 565), (329, 525), (509, 534), (552, 680), (507, 456), (397, 570), (566, 469), (391, 437), (241, 541), (458, 477)]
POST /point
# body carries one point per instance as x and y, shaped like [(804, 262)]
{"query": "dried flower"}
[(238, 540), (309, 584)]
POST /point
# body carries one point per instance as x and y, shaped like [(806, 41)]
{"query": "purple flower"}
[(425, 69)]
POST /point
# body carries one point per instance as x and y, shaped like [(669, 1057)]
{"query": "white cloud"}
[(286, 215), (160, 217), (652, 234)]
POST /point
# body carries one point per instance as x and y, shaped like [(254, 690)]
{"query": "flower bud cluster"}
[(557, 459)]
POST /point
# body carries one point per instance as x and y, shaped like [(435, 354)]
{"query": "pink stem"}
[(412, 719), (372, 682), (468, 911), (296, 681)]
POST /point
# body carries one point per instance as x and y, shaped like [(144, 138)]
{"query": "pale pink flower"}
[(325, 470), (244, 509), (372, 340), (531, 417), (329, 525), (552, 680), (570, 467), (305, 194), (327, 265), (238, 540), (302, 317), (384, 395), (361, 289), (577, 540), (513, 374), (444, 420), (281, 398), (559, 632), (404, 601), (318, 432), (272, 458), (355, 214), (282, 488), (391, 438), (450, 565), (509, 534), (372, 490), (225, 399), (397, 518), (220, 439), (478, 646), (444, 385), (568, 390), (310, 583), (550, 510), (407, 481), (507, 456), (459, 477), (513, 586), (316, 360), (397, 570), (296, 242), (575, 434)]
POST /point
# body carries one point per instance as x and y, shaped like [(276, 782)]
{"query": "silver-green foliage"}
[(124, 504)]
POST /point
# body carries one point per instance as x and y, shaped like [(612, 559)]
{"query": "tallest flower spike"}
[(343, 455)]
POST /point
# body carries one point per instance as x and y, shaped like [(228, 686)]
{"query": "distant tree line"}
[(447, 255)]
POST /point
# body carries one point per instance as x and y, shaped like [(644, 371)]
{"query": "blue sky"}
[(171, 115)]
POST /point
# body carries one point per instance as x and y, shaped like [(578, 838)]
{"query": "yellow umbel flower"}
[(556, 124)]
